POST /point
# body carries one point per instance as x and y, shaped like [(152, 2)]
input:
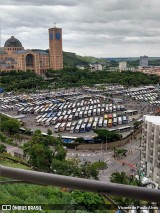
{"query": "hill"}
[(71, 59)]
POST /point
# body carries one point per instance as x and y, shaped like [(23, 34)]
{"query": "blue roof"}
[(1, 90)]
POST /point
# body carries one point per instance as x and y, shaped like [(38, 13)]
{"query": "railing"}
[(137, 193)]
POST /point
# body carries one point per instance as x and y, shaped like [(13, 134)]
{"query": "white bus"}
[(91, 120), (124, 129), (48, 122), (80, 114), (72, 129), (85, 113), (114, 121), (100, 123), (86, 120), (89, 113), (80, 122), (54, 120), (83, 128), (77, 128), (94, 125), (96, 119), (119, 120), (70, 118), (114, 108), (105, 123), (56, 128), (68, 126), (62, 126), (94, 111), (98, 111)]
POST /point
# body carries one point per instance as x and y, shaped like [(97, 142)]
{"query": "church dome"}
[(12, 42)]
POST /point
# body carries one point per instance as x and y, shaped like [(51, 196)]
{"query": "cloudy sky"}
[(101, 28)]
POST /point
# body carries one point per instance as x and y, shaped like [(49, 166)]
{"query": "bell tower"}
[(55, 48)]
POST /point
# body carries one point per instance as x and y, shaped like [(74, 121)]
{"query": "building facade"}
[(123, 65), (14, 57), (150, 147), (143, 61)]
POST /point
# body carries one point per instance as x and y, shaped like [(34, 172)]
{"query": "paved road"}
[(133, 157)]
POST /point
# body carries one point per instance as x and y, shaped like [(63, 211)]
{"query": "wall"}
[(109, 145)]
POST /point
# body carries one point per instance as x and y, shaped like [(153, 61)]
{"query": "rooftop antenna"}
[(54, 24)]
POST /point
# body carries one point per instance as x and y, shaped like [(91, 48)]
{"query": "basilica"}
[(14, 57)]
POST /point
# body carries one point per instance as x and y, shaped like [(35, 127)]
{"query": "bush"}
[(99, 165)]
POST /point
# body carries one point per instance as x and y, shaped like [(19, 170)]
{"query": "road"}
[(133, 157)]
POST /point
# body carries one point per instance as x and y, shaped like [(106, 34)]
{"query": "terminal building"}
[(150, 147), (15, 57)]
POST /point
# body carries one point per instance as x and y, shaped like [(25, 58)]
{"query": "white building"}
[(95, 67), (143, 61), (123, 65), (150, 147)]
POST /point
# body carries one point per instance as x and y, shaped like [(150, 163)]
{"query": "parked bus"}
[(94, 111), (88, 127), (124, 129), (96, 119), (119, 120), (48, 121), (72, 129), (85, 113), (94, 125), (70, 118), (83, 128), (62, 126), (91, 120), (114, 115), (124, 117), (110, 116), (54, 120), (68, 126), (114, 108), (110, 123), (100, 123), (98, 111), (80, 122), (56, 128), (114, 121), (105, 116), (105, 123), (86, 120), (76, 130)]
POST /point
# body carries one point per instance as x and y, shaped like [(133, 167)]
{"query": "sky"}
[(100, 28)]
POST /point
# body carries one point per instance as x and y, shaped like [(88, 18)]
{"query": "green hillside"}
[(71, 59)]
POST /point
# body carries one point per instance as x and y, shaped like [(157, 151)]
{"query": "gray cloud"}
[(99, 28)]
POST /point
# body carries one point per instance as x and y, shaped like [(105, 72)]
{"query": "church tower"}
[(55, 48)]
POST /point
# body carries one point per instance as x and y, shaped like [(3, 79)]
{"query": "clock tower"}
[(55, 48)]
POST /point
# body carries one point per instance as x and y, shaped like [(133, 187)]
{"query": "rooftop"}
[(153, 119)]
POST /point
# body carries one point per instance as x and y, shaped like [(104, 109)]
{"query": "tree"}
[(11, 126), (87, 200), (122, 178), (60, 152), (80, 140), (49, 132), (136, 124), (2, 148), (40, 157), (106, 135)]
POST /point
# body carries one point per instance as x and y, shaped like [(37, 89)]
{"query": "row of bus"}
[(87, 124), (53, 118)]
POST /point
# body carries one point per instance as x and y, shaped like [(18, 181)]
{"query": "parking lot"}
[(77, 113)]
